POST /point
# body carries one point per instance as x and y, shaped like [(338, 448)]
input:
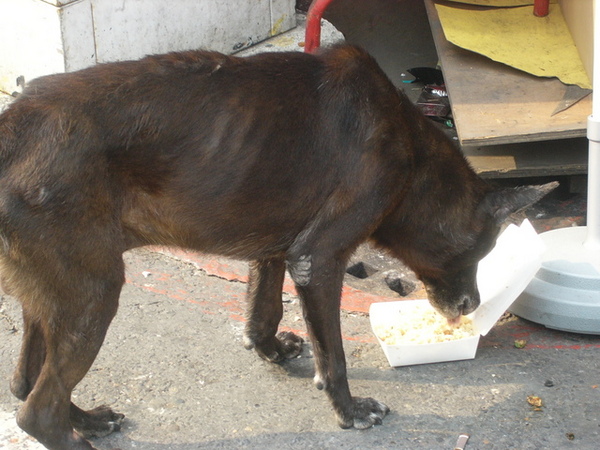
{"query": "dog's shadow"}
[(302, 367), (287, 440)]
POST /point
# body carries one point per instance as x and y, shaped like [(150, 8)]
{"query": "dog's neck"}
[(438, 210)]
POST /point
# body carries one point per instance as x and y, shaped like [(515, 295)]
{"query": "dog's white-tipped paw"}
[(367, 412)]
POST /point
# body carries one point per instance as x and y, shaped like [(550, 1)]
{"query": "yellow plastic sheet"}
[(498, 3), (542, 46)]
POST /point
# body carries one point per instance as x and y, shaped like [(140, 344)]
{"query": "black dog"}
[(288, 160)]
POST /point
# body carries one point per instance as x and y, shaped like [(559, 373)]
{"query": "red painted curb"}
[(353, 300)]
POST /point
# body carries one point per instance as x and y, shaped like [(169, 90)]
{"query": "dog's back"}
[(187, 145)]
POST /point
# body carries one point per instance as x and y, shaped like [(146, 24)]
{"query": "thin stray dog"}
[(287, 160)]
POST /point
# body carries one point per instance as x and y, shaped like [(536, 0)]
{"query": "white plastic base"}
[(565, 293)]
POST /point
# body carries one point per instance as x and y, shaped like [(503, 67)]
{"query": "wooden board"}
[(495, 104), (541, 158)]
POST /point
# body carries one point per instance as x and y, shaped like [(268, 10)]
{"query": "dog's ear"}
[(502, 203)]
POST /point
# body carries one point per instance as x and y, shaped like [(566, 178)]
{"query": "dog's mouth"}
[(455, 321), (460, 305), (453, 314)]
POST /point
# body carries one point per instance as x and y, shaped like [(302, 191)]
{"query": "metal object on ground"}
[(462, 441)]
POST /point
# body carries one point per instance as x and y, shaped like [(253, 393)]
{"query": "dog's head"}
[(452, 287)]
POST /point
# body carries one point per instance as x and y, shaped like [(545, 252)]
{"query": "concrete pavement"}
[(174, 364)]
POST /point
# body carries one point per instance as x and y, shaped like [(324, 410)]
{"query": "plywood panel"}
[(541, 158), (496, 104)]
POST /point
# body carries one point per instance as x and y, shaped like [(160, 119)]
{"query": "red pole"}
[(541, 7), (312, 38)]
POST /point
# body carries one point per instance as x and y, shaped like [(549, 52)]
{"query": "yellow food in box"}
[(423, 325)]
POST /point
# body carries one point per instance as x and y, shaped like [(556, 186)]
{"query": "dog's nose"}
[(468, 303)]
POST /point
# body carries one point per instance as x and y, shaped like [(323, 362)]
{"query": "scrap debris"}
[(520, 343), (535, 401), (433, 101), (462, 441)]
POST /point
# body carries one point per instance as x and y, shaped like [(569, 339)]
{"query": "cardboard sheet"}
[(542, 46)]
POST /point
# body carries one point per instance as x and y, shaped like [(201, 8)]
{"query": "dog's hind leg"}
[(76, 314), (265, 310), (31, 358), (97, 422)]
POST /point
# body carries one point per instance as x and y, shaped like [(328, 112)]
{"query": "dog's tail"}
[(8, 148), (7, 136)]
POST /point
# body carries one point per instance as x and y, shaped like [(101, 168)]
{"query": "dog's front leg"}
[(317, 264), (321, 303), (265, 311)]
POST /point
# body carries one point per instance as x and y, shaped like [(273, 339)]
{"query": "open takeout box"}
[(501, 276)]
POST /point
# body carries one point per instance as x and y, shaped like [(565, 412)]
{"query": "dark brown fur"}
[(287, 160)]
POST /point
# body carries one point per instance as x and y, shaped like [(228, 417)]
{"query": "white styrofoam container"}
[(39, 37), (501, 276)]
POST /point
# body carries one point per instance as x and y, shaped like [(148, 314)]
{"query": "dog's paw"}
[(290, 344), (285, 345), (98, 422), (366, 413)]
